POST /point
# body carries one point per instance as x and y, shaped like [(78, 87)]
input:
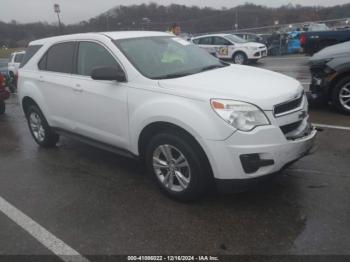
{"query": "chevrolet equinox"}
[(194, 120)]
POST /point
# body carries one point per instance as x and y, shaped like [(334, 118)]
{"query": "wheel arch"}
[(162, 127), (239, 51), (335, 81)]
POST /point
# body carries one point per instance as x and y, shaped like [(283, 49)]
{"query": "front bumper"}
[(271, 145), (319, 89), (258, 54)]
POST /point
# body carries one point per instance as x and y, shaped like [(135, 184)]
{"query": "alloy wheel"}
[(37, 127), (344, 96), (172, 168)]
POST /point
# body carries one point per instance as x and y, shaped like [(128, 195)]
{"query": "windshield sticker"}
[(181, 41)]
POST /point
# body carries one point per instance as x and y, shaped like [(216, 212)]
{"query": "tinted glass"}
[(19, 58), (196, 41), (220, 41), (92, 55), (166, 57), (205, 41), (60, 58), (30, 52), (42, 63)]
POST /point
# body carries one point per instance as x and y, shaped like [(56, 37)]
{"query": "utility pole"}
[(236, 23), (57, 10)]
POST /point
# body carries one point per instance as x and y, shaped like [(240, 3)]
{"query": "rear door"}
[(56, 83), (223, 47), (100, 107), (206, 43)]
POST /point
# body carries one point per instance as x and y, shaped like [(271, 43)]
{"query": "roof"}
[(211, 35), (113, 35)]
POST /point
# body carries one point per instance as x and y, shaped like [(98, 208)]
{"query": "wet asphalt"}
[(102, 204)]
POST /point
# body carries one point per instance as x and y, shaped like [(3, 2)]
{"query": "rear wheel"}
[(177, 166), (40, 129), (2, 107), (341, 95), (240, 58)]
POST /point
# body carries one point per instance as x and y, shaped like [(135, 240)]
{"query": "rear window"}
[(30, 52), (59, 58)]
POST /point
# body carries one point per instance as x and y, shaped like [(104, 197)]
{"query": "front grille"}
[(290, 127), (288, 106)]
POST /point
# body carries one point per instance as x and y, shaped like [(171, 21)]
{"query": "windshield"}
[(166, 57), (318, 27), (235, 39)]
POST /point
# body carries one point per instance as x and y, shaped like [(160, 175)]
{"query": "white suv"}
[(192, 118), (231, 47)]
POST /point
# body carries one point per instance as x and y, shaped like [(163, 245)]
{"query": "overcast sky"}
[(78, 10)]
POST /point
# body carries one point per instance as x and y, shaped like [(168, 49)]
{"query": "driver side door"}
[(100, 107), (223, 47)]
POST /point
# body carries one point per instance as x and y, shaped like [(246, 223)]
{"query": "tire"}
[(254, 61), (40, 129), (2, 107), (12, 82), (341, 95), (240, 58), (185, 181)]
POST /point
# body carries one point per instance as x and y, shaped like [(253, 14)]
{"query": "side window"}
[(30, 52), (205, 41), (59, 58), (19, 58), (221, 41), (196, 41), (91, 55)]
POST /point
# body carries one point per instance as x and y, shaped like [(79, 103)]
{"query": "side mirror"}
[(108, 73)]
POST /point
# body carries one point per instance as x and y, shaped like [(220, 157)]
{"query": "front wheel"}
[(341, 95), (40, 129), (177, 166), (240, 58), (2, 107)]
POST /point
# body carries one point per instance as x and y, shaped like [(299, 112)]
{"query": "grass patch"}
[(5, 53)]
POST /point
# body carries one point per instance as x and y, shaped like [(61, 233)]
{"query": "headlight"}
[(241, 115)]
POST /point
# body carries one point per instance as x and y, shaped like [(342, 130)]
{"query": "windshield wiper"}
[(207, 68), (170, 76)]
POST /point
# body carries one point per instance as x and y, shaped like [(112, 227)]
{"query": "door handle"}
[(77, 88), (41, 79)]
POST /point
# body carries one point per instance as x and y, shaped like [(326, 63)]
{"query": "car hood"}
[(251, 44), (244, 83), (333, 51)]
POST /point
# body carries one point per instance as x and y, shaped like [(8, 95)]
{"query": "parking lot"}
[(93, 202)]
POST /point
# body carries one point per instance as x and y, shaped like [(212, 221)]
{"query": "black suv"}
[(330, 69)]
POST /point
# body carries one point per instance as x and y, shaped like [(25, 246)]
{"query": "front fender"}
[(194, 116)]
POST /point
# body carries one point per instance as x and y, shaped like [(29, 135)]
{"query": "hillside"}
[(158, 17)]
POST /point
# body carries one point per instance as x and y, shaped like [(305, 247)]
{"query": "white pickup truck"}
[(14, 62)]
